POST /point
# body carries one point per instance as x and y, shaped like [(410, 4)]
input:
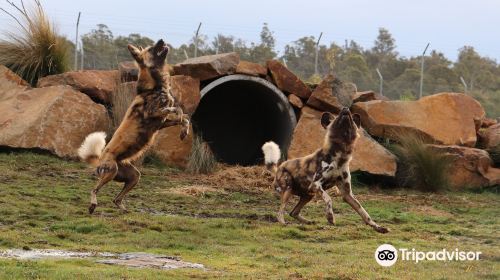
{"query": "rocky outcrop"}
[(295, 101), (446, 118), (469, 168), (208, 67), (490, 137), (286, 81), (128, 71), (250, 68), (187, 91), (365, 96), (10, 81), (55, 118), (369, 156), (323, 98), (487, 122), (97, 84), (170, 149)]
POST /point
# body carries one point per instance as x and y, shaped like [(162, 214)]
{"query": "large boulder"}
[(323, 97), (490, 137), (286, 81), (469, 168), (208, 67), (487, 122), (97, 84), (187, 90), (446, 118), (128, 71), (250, 68), (10, 81), (369, 156), (295, 101), (56, 118), (369, 95), (170, 149)]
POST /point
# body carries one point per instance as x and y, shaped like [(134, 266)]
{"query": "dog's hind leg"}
[(348, 197), (283, 185), (103, 180), (285, 196), (296, 210), (130, 176)]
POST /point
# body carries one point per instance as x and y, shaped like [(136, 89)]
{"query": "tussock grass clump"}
[(201, 160), (35, 49), (421, 166), (121, 100)]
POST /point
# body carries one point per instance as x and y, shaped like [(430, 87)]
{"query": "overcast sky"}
[(446, 24)]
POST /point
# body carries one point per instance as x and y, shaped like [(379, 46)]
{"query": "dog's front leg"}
[(317, 186), (348, 197)]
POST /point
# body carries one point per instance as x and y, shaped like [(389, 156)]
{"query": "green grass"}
[(44, 200)]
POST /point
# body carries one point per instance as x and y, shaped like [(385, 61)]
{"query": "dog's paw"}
[(92, 208), (120, 205), (282, 221), (382, 229), (308, 222), (184, 133), (106, 167), (331, 219)]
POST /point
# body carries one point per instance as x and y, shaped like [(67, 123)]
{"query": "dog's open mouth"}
[(160, 48)]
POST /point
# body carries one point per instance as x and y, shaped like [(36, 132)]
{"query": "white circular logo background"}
[(386, 255)]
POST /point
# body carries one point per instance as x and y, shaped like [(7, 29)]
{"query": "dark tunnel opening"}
[(237, 114)]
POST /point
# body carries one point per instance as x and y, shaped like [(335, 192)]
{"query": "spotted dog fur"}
[(315, 173), (153, 108)]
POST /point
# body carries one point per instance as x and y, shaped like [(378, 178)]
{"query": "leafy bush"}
[(36, 49), (421, 166), (201, 160)]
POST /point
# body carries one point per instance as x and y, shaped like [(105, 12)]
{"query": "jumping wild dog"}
[(315, 173), (152, 109)]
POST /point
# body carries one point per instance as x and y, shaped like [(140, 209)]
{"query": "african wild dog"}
[(152, 109), (325, 168)]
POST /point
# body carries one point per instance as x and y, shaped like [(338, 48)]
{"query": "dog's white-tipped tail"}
[(92, 146), (272, 155)]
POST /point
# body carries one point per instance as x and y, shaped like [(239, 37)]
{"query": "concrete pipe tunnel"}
[(239, 113)]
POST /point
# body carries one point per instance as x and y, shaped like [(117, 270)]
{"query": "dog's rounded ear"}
[(357, 120), (326, 119), (135, 52)]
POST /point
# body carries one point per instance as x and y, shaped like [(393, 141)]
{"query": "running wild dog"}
[(325, 168), (153, 108)]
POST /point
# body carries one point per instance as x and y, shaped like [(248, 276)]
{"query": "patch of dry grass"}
[(121, 100), (35, 49), (201, 159)]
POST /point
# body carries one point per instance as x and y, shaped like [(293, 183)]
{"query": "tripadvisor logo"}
[(387, 255)]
